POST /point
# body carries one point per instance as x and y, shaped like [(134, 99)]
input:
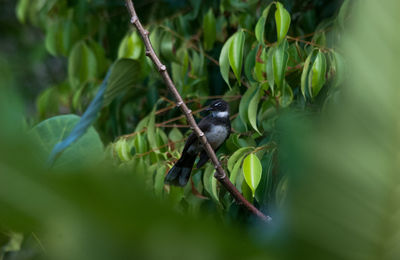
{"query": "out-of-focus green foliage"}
[(320, 156)]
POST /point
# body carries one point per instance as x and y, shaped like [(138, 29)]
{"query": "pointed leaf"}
[(317, 74), (244, 104), (260, 26), (253, 108), (236, 53), (210, 183), (252, 171), (279, 63), (270, 69), (209, 30), (224, 61), (304, 75), (131, 46), (236, 155), (282, 20), (82, 65), (151, 130)]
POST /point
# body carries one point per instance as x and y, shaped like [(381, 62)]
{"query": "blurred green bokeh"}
[(343, 167)]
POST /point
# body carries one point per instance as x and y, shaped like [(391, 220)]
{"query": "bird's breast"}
[(216, 135)]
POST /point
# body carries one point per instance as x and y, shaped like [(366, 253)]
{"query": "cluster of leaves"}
[(240, 51)]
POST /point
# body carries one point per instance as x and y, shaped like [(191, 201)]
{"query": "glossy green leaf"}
[(151, 130), (224, 61), (269, 68), (282, 20), (131, 46), (125, 73), (304, 75), (259, 68), (210, 182), (279, 63), (159, 180), (250, 63), (82, 65), (260, 26), (140, 143), (252, 171), (253, 108), (236, 54), (209, 30), (236, 155), (317, 74), (244, 104), (123, 150), (86, 150)]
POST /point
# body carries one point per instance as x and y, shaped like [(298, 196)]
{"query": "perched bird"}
[(217, 128)]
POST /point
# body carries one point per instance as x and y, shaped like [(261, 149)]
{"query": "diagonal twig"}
[(220, 173)]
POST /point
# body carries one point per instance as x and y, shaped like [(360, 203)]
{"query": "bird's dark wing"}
[(204, 127)]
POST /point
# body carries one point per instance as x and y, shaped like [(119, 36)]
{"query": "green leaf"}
[(304, 75), (167, 47), (236, 54), (151, 130), (123, 150), (252, 171), (236, 155), (260, 61), (338, 66), (22, 10), (244, 104), (87, 150), (175, 135), (210, 182), (250, 63), (260, 26), (159, 181), (279, 63), (282, 20), (286, 96), (124, 74), (131, 46), (270, 69), (253, 107), (224, 61), (317, 74), (82, 65), (209, 30), (140, 143)]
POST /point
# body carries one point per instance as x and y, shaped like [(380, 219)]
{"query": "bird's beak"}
[(208, 109)]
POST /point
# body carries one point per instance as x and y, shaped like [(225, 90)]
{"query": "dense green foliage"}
[(267, 62), (299, 151)]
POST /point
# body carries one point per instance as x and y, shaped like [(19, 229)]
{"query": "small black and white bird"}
[(217, 128)]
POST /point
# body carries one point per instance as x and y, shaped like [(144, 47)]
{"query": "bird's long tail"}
[(180, 172)]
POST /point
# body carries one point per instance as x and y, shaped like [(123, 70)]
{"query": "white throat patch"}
[(220, 114)]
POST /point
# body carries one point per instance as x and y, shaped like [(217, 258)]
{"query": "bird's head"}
[(219, 108)]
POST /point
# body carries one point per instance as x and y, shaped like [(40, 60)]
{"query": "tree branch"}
[(220, 173)]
